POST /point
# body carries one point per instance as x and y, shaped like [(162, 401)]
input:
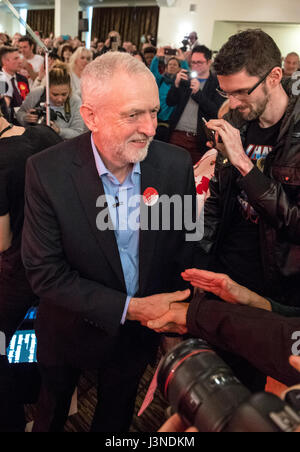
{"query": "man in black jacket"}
[(195, 97), (99, 282), (252, 218)]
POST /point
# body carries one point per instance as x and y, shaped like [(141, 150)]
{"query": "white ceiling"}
[(84, 3)]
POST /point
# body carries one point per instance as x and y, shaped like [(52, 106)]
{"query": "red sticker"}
[(150, 196)]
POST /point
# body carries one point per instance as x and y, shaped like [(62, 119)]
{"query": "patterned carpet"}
[(150, 421)]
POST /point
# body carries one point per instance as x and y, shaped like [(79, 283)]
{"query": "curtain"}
[(41, 20), (130, 22)]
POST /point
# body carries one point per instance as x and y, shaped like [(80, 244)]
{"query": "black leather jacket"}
[(275, 195)]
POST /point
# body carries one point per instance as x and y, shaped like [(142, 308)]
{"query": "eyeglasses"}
[(198, 62), (244, 92)]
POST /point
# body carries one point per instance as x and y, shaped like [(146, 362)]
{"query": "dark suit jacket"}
[(209, 102), (76, 270)]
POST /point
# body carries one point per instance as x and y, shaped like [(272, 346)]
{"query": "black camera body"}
[(185, 42), (41, 113), (202, 389)]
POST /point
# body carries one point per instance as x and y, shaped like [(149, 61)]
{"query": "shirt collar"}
[(9, 76), (101, 168)]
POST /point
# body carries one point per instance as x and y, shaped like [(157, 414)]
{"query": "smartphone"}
[(170, 52), (210, 134)]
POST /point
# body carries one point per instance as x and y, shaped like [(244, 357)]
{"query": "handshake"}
[(167, 312)]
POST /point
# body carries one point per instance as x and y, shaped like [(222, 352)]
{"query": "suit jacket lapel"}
[(151, 177), (89, 187)]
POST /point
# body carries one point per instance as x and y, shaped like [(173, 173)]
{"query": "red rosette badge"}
[(150, 196)]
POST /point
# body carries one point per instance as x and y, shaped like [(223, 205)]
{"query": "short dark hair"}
[(26, 39), (252, 50), (4, 50), (203, 49), (149, 50), (30, 42)]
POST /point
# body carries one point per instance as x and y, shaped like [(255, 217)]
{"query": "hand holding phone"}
[(170, 52), (210, 134)]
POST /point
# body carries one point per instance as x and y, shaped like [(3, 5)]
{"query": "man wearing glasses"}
[(194, 95), (252, 219)]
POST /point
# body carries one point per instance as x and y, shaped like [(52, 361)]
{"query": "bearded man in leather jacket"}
[(252, 219)]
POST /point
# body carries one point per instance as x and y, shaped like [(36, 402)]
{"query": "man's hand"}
[(174, 321), (154, 306), (182, 75), (225, 288), (195, 85), (232, 146)]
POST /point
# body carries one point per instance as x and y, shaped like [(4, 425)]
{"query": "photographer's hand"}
[(232, 146), (180, 55), (55, 127), (195, 85), (31, 116), (182, 75), (176, 424)]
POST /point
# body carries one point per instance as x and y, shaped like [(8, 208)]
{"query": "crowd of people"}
[(105, 296)]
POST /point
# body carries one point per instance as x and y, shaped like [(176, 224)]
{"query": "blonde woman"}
[(78, 61)]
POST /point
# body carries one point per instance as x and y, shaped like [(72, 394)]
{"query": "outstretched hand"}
[(216, 283), (225, 288)]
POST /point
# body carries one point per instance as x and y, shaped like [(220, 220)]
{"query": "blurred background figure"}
[(291, 64), (139, 56), (193, 39), (31, 61), (65, 52), (149, 54), (78, 61), (172, 65)]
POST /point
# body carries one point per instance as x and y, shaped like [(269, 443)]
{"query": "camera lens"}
[(200, 386)]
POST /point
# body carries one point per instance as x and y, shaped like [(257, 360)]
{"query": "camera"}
[(41, 114), (185, 42), (203, 390)]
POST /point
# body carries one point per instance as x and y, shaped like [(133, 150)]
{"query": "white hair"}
[(96, 77), (77, 54)]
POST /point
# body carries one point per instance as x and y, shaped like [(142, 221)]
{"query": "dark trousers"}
[(188, 142), (117, 389)]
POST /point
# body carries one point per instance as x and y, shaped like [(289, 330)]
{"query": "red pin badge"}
[(150, 196)]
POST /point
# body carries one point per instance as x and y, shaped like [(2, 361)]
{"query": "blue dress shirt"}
[(125, 218)]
